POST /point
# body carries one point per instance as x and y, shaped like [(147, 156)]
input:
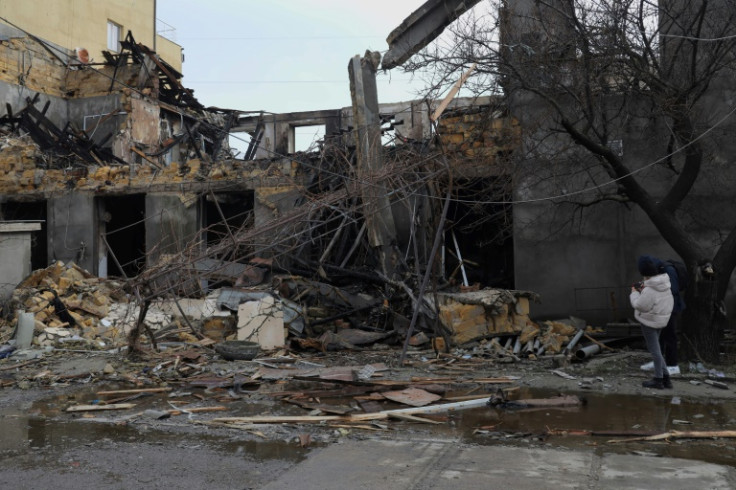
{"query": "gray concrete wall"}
[(88, 114), (72, 230), (582, 260), (172, 223), (15, 261)]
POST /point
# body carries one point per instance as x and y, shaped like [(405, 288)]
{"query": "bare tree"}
[(623, 100)]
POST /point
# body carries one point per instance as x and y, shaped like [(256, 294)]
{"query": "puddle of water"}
[(609, 413), (46, 425), (20, 433)]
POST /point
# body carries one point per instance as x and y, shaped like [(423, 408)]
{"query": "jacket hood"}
[(660, 282)]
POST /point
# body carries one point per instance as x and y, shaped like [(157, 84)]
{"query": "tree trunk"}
[(701, 322)]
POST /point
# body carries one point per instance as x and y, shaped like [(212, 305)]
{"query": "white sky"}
[(283, 55)]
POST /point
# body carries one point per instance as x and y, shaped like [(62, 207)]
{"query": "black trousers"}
[(668, 340)]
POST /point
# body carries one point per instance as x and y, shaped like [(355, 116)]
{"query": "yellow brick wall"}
[(83, 23), (479, 136), (24, 62)]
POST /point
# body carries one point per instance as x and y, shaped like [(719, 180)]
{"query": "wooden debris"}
[(563, 374), (603, 433), (414, 418), (267, 419), (132, 392), (676, 434), (218, 408), (94, 408), (412, 396)]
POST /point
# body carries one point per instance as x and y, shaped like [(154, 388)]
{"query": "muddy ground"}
[(45, 446)]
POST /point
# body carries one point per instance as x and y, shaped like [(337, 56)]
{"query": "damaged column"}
[(367, 121)]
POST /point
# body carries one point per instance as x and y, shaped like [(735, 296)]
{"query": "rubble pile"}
[(284, 311), (69, 303)]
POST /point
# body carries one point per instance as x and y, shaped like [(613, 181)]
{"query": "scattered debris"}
[(675, 434), (716, 384)]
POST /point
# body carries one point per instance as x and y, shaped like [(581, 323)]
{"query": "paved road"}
[(447, 465)]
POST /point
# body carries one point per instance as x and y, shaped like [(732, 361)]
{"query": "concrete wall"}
[(172, 222), (15, 255), (92, 114), (169, 51), (72, 230), (411, 120)]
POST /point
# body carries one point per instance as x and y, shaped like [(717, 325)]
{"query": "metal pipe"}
[(84, 121), (587, 351), (460, 258), (517, 345), (573, 342)]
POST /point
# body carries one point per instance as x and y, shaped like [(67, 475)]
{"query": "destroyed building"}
[(130, 176)]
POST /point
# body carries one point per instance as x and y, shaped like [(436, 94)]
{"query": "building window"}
[(114, 32)]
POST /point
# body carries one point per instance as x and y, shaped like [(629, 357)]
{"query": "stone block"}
[(263, 322)]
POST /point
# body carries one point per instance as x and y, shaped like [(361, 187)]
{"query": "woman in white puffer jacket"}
[(653, 304)]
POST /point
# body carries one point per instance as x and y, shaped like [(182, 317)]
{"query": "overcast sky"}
[(283, 55)]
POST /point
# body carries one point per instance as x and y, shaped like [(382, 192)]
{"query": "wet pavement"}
[(522, 448), (446, 465)]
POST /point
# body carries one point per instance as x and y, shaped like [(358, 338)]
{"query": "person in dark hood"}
[(668, 337), (653, 302)]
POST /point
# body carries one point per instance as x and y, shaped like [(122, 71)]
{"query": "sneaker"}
[(673, 370), (648, 366)]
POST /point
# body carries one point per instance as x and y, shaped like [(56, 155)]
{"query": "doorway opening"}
[(226, 214), (122, 224), (480, 232)]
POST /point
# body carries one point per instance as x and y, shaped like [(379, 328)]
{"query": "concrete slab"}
[(450, 465), (618, 472)]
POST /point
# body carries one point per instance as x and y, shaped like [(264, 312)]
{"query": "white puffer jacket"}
[(653, 305)]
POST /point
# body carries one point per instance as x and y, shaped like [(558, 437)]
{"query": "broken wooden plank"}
[(444, 407), (280, 419), (133, 391), (676, 434), (414, 418), (499, 380), (179, 411), (94, 408), (286, 419)]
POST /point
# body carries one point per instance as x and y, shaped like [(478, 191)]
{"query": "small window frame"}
[(114, 36)]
